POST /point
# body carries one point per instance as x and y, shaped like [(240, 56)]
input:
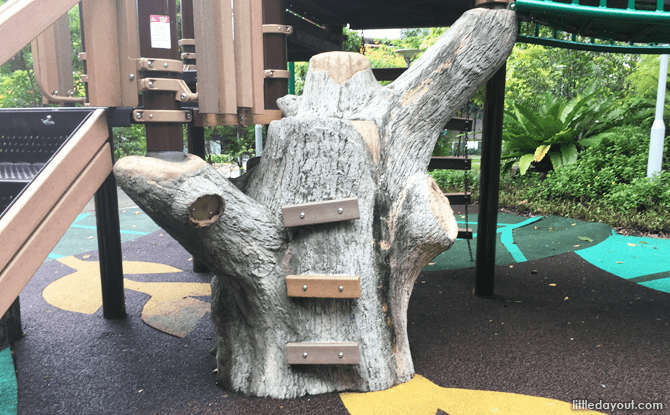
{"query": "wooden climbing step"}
[(323, 286), (464, 233), (336, 353), (450, 163), (459, 198), (321, 212)]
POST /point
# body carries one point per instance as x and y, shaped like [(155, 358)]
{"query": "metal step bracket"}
[(336, 353), (178, 86), (321, 212), (143, 116), (160, 65), (323, 286)]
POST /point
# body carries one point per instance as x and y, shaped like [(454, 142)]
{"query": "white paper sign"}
[(159, 27)]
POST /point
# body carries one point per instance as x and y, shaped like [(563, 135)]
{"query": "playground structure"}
[(242, 86)]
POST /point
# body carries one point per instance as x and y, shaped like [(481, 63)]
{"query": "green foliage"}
[(553, 130), (235, 150), (443, 146), (432, 36), (454, 180), (411, 38), (533, 70), (613, 171), (16, 90), (129, 141), (354, 43), (644, 80), (382, 55), (300, 69)]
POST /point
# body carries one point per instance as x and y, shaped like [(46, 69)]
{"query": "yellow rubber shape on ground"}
[(420, 396), (171, 308)]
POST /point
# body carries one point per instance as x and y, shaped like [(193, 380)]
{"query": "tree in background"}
[(644, 80), (533, 70)]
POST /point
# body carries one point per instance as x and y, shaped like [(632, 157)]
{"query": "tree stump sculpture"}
[(345, 140)]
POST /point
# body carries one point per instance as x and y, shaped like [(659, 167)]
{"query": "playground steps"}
[(322, 286)]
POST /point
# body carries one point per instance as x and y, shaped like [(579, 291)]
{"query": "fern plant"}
[(548, 137)]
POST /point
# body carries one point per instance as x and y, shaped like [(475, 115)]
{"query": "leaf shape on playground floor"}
[(585, 238)]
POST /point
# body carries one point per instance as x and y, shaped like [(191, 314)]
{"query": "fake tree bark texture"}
[(345, 137)]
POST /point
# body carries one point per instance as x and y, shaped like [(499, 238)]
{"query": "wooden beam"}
[(258, 53), (29, 257), (213, 120), (321, 212), (213, 23), (52, 60), (243, 58), (27, 212), (129, 51), (342, 353), (309, 35), (102, 53), (23, 20), (323, 286)]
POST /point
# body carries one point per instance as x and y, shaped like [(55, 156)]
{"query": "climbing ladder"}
[(322, 286), (456, 163)]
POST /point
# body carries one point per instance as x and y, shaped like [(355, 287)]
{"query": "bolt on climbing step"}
[(321, 212), (323, 286), (336, 353)]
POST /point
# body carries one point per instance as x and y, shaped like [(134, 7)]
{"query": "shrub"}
[(453, 180)]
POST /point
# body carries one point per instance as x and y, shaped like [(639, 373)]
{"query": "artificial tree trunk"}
[(345, 137)]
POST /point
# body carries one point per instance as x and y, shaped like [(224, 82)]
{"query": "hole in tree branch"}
[(206, 210)]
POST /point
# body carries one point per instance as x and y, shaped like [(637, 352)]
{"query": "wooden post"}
[(216, 60), (82, 28), (187, 29), (164, 140), (10, 325), (52, 62), (102, 53), (276, 53), (489, 184)]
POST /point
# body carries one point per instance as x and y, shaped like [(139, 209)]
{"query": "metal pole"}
[(109, 247), (291, 80), (164, 140), (10, 325), (259, 139), (654, 165), (489, 185)]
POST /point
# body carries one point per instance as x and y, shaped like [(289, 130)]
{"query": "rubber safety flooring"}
[(580, 314)]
